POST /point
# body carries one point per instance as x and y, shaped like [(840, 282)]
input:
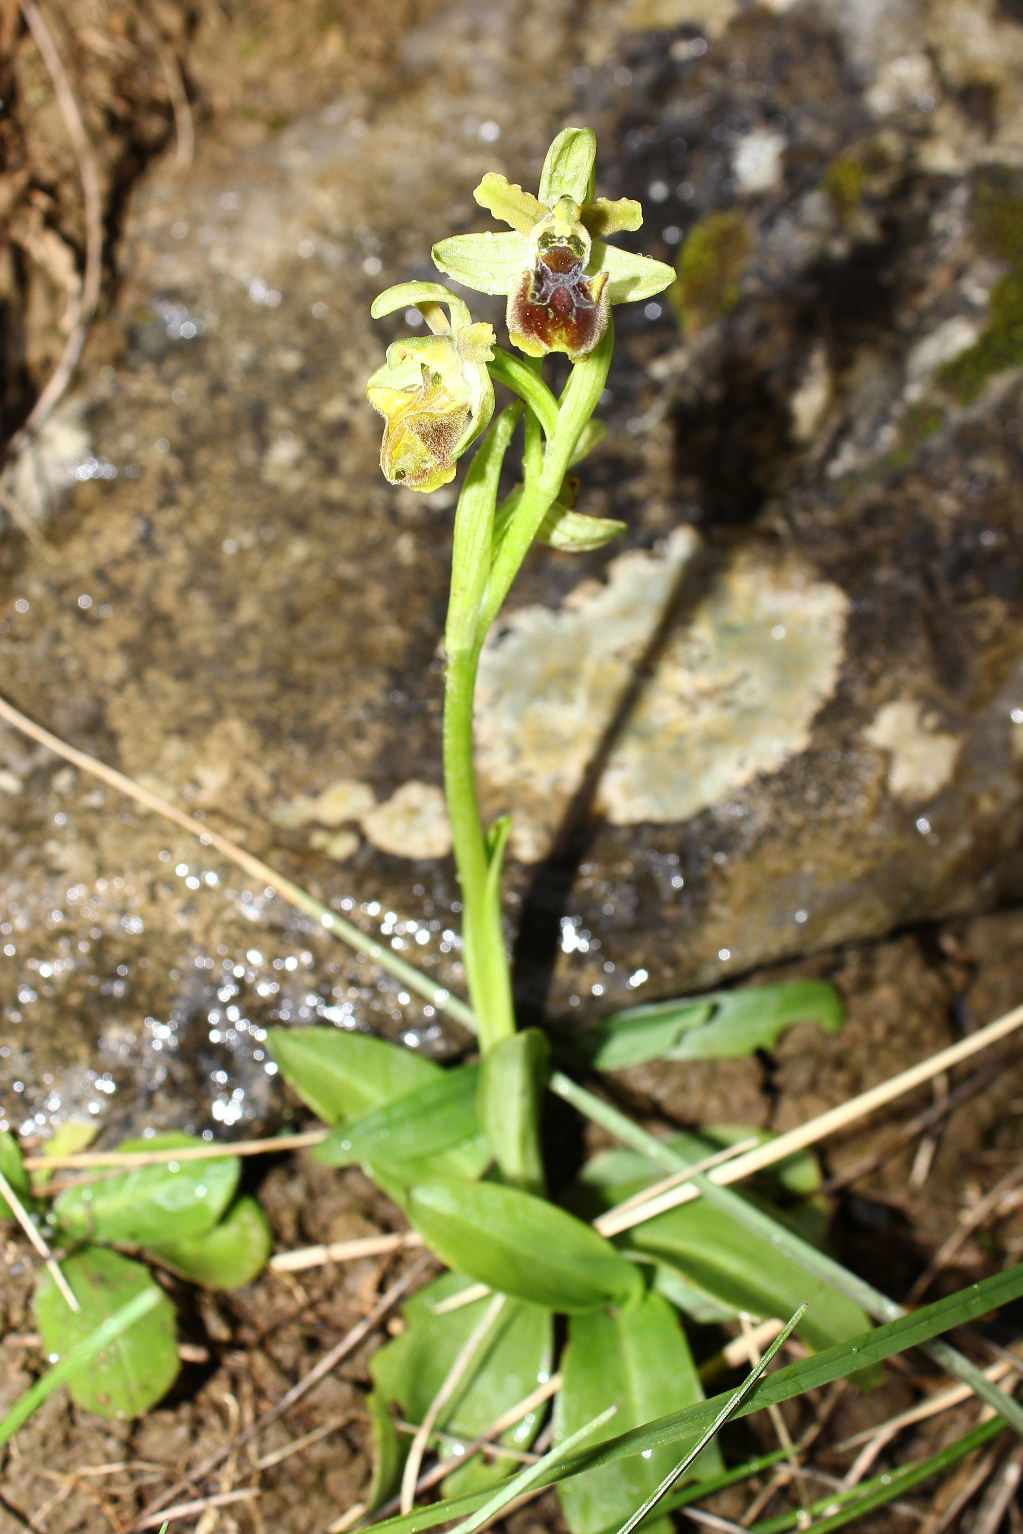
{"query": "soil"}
[(147, 78)]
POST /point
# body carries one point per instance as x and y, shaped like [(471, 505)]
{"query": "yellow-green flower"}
[(434, 392), (559, 274)]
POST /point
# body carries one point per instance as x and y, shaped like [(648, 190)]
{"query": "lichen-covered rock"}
[(786, 713)]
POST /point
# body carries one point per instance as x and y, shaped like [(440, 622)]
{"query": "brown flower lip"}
[(556, 307)]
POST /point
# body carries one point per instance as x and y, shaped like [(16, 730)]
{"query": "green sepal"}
[(141, 1365), (639, 1360), (568, 170), (509, 1364), (508, 202), (339, 1074), (230, 1256), (432, 1131), (172, 1200), (522, 1246), (631, 276), (487, 263), (425, 296), (513, 1075)]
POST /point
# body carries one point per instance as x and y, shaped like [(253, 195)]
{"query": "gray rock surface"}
[(786, 714)]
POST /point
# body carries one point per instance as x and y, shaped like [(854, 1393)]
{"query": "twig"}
[(123, 1159), (199, 1505), (92, 275), (344, 1251), (28, 1225), (967, 1225)]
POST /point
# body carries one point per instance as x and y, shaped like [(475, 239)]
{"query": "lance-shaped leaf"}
[(638, 1360), (512, 1080), (522, 1246), (432, 1131), (720, 1257), (339, 1074), (725, 1025), (511, 1361)]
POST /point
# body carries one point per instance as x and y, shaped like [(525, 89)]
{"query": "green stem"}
[(486, 960), (578, 402)]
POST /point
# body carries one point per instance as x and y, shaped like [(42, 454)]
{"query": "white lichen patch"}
[(338, 845), (412, 823), (923, 757), (732, 693), (757, 160), (341, 802)]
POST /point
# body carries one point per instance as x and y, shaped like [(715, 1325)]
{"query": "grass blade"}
[(728, 1410), (533, 1475)]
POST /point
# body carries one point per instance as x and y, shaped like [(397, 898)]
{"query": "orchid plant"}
[(459, 1149)]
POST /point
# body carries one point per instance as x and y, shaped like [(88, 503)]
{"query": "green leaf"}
[(173, 1199), (340, 1075), (509, 202), (229, 1256), (487, 263), (140, 1366), (512, 1079), (640, 1034), (432, 1131), (631, 276), (725, 1025), (568, 170), (388, 1452), (522, 1246), (13, 1168), (67, 1140), (685, 1428), (640, 1361), (721, 1259), (575, 533), (510, 1364), (745, 1021)]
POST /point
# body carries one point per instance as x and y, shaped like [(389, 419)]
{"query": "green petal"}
[(488, 263), (508, 202), (603, 217), (568, 168), (420, 295), (631, 276)]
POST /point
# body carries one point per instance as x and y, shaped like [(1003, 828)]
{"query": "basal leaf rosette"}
[(434, 392), (556, 268)]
